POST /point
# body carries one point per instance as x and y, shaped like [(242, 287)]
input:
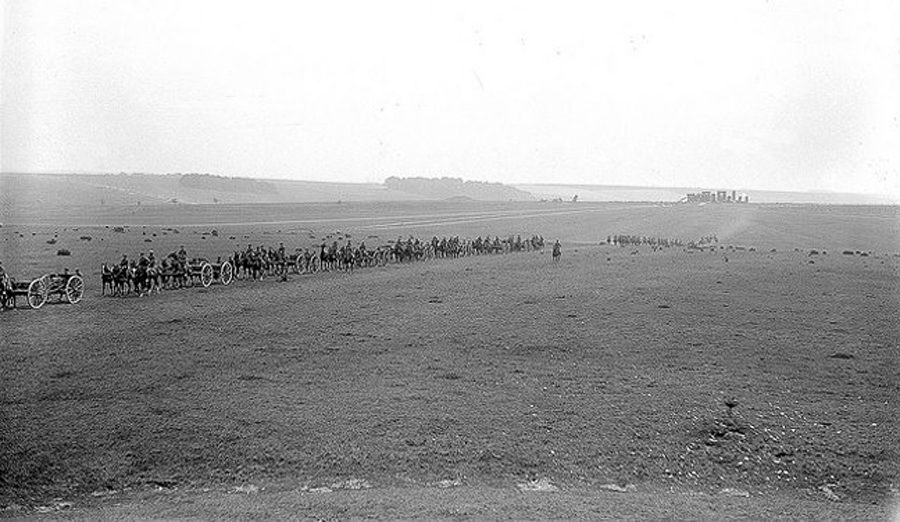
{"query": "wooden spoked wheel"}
[(206, 275), (74, 289), (226, 273), (37, 293)]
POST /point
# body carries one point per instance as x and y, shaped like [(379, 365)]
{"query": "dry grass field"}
[(609, 367)]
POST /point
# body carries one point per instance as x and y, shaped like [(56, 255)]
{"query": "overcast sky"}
[(755, 95)]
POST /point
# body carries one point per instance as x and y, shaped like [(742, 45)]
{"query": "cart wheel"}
[(226, 274), (315, 264), (206, 275), (37, 293), (75, 289)]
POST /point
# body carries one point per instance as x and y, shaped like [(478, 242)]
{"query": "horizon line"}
[(896, 199)]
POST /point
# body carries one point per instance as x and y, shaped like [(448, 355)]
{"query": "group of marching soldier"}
[(631, 240)]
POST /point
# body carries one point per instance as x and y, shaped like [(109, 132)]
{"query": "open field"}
[(609, 367)]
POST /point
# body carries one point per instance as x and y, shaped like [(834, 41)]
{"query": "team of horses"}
[(260, 262), (147, 275)]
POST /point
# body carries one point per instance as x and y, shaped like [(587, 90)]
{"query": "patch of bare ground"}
[(667, 371), (284, 501)]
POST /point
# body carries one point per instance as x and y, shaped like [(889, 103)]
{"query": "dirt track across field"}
[(439, 503)]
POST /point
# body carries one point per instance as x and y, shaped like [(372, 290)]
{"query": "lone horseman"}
[(557, 251)]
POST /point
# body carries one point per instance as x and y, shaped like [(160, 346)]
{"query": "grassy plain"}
[(609, 367)]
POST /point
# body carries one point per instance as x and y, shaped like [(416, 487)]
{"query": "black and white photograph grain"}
[(419, 260)]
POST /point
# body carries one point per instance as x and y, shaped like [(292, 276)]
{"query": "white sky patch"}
[(768, 95)]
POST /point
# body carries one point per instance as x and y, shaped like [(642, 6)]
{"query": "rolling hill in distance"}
[(20, 192)]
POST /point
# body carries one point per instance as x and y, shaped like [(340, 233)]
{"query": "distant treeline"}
[(225, 184), (443, 188)]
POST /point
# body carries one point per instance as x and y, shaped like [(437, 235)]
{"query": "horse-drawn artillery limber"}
[(200, 270), (37, 292)]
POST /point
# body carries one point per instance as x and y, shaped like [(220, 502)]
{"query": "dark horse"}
[(140, 278), (107, 276)]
